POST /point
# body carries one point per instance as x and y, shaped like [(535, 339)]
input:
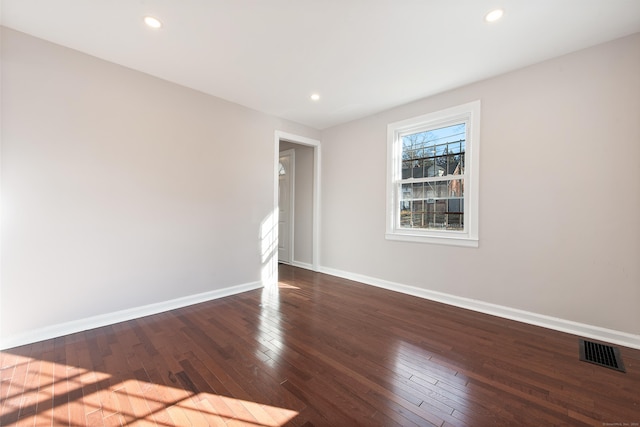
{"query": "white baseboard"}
[(580, 329), (304, 265), (80, 325)]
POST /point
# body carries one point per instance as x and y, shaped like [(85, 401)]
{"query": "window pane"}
[(405, 216), (454, 165), (455, 222), (418, 191), (436, 189), (434, 168), (433, 214), (417, 220), (436, 152), (412, 214), (407, 192), (436, 205), (406, 169), (455, 188), (438, 219), (456, 147), (441, 149), (432, 205), (455, 217), (455, 205), (418, 168)]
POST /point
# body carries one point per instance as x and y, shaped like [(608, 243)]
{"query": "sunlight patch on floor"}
[(283, 285), (39, 392)]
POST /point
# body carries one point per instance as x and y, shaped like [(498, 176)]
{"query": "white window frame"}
[(470, 115)]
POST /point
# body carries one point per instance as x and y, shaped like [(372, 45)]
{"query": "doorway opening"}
[(297, 199)]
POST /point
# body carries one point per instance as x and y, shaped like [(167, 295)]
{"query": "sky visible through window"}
[(432, 142)]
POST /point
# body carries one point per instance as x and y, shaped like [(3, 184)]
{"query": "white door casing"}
[(286, 180), (317, 167)]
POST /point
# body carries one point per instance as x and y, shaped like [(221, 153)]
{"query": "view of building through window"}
[(432, 195)]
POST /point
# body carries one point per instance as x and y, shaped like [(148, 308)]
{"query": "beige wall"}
[(559, 193), (120, 189)]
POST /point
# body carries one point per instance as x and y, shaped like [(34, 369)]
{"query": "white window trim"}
[(469, 113)]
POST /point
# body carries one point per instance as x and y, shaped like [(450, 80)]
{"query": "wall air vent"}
[(600, 354)]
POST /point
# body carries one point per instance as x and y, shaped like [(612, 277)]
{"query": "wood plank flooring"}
[(317, 351)]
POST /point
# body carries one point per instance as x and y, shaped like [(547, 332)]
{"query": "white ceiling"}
[(361, 56)]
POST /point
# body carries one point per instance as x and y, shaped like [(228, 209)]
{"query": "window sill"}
[(459, 240)]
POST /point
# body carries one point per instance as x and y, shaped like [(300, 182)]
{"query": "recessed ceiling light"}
[(494, 15), (315, 97), (152, 22)]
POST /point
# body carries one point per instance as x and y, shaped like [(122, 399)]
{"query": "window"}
[(432, 184)]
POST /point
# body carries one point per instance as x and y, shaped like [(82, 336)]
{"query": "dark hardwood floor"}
[(318, 351)]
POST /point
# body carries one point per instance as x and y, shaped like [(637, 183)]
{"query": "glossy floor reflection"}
[(315, 350)]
